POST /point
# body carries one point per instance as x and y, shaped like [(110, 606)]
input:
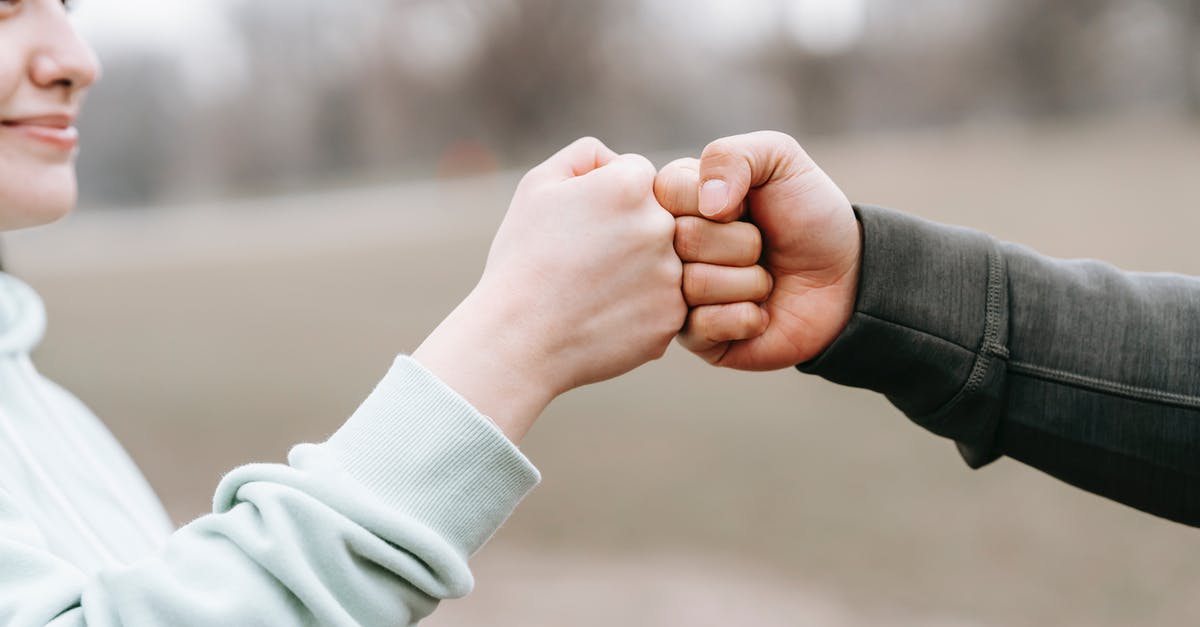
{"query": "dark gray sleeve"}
[(1074, 367)]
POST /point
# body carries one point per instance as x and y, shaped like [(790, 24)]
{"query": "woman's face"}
[(45, 68)]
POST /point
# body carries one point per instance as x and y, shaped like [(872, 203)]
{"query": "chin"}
[(38, 197)]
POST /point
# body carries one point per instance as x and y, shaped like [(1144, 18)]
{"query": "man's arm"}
[(1073, 367)]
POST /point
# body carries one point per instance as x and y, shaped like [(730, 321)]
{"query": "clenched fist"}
[(785, 306), (581, 284)]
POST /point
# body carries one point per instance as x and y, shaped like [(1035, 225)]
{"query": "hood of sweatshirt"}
[(22, 316)]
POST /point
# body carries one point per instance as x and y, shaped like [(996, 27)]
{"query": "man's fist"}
[(795, 302)]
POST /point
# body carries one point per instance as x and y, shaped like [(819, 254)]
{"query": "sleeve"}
[(372, 527), (1086, 372)]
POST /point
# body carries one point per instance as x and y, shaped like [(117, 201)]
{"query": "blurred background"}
[(279, 196)]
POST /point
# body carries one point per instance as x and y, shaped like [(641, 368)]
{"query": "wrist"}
[(846, 289), (853, 276), (483, 353), (850, 286)]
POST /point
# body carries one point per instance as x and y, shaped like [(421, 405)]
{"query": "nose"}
[(64, 59)]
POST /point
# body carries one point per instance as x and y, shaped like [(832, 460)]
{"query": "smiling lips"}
[(52, 130)]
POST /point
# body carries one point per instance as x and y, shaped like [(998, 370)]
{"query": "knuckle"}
[(672, 272), (640, 164), (588, 142), (681, 166), (730, 322), (709, 318), (689, 237), (719, 150), (527, 179), (702, 326), (673, 186), (663, 224), (633, 179), (780, 138), (788, 151), (696, 282)]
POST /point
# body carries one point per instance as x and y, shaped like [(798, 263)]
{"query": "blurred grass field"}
[(209, 336)]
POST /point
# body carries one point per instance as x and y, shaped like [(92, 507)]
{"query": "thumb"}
[(731, 166)]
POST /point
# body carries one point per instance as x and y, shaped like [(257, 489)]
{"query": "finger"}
[(709, 329), (576, 159), (628, 177), (677, 187), (729, 244), (707, 284), (730, 167)]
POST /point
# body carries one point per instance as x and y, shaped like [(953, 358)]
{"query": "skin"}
[(581, 284), (45, 71), (812, 247)]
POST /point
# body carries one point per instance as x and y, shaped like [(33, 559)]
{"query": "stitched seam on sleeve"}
[(994, 315), (1114, 388), (990, 347), (996, 306)]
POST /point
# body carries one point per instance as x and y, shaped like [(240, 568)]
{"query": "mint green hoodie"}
[(371, 527)]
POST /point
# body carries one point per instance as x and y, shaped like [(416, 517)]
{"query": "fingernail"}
[(714, 195)]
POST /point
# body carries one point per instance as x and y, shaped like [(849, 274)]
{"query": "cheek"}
[(10, 72)]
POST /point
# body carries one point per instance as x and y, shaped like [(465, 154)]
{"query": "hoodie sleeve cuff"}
[(423, 449), (929, 329)]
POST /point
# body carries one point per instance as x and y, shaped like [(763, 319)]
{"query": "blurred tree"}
[(1054, 65), (820, 86), (328, 90), (540, 72), (1191, 52)]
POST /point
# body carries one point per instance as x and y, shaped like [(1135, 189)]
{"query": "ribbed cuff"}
[(425, 450), (929, 328)]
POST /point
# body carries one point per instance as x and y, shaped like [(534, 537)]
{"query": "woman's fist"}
[(582, 284)]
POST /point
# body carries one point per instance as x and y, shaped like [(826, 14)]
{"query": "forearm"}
[(1076, 368)]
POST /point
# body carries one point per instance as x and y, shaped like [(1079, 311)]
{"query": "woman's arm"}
[(372, 527), (375, 525)]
